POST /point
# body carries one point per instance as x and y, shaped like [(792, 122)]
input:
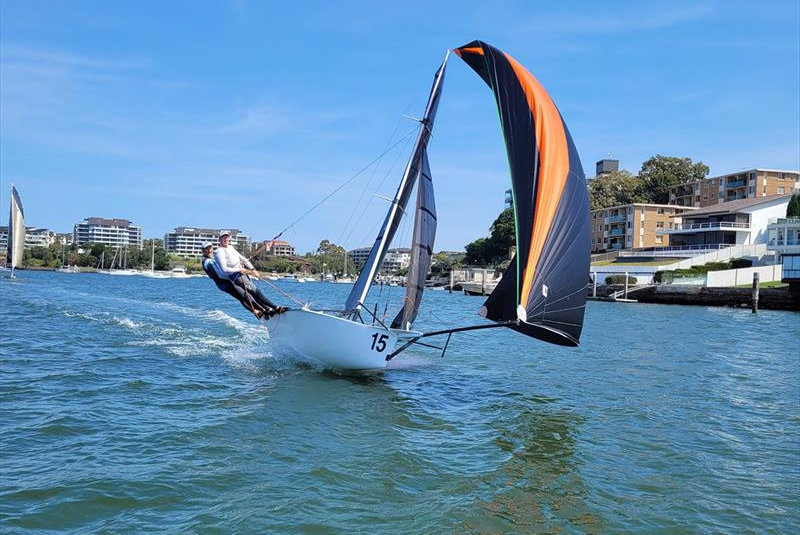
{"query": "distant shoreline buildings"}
[(639, 225), (748, 184), (630, 226), (187, 242), (115, 232)]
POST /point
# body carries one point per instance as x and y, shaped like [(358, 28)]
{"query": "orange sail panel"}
[(545, 287)]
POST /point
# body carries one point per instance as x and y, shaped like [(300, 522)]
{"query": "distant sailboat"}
[(542, 293), (16, 232)]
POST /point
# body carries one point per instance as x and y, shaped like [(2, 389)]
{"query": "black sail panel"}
[(544, 288), (421, 248)]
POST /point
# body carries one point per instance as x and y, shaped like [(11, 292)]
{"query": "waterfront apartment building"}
[(113, 232), (34, 237), (632, 225), (750, 184), (358, 257), (277, 248), (394, 261), (783, 235), (187, 242), (739, 222)]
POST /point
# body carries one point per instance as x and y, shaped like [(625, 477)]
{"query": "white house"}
[(740, 222)]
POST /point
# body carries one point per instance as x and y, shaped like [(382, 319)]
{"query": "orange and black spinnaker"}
[(543, 292)]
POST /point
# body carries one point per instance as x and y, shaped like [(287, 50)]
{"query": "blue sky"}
[(244, 114)]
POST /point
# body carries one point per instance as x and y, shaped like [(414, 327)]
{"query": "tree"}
[(328, 257), (793, 210), (494, 249), (614, 189), (660, 173), (329, 248)]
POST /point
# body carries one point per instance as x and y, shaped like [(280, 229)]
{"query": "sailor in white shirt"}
[(237, 268)]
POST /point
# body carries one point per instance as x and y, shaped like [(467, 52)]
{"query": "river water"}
[(131, 405)]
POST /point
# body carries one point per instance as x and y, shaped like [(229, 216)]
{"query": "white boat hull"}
[(333, 342)]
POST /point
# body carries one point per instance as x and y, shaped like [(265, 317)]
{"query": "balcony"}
[(617, 232), (734, 184), (679, 251), (705, 227), (615, 218)]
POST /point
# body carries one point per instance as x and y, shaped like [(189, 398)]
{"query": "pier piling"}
[(626, 285), (754, 297)]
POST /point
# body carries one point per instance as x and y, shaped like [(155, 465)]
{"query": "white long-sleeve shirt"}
[(230, 261)]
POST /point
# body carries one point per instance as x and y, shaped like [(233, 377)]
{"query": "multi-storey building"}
[(783, 235), (606, 166), (739, 222), (277, 248), (750, 184), (39, 237), (632, 225), (114, 232), (394, 261), (34, 237), (358, 257), (188, 241)]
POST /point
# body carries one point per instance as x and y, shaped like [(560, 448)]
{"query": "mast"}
[(360, 289)]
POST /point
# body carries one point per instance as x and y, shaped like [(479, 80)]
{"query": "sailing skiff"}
[(543, 291), (16, 232)]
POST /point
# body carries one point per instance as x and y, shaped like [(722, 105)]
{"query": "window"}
[(781, 190), (659, 224), (660, 211), (659, 239)]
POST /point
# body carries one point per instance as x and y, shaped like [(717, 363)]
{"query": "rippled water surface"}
[(130, 405)]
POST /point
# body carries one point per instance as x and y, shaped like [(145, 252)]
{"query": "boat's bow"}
[(332, 341)]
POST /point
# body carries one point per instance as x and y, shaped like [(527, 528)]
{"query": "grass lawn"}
[(774, 284), (651, 263)]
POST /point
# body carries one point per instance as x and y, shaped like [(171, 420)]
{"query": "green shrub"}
[(620, 279), (738, 263)]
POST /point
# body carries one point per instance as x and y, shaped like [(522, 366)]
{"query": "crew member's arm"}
[(249, 268)]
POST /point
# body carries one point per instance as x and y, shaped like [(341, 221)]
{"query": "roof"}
[(737, 205), (674, 206)]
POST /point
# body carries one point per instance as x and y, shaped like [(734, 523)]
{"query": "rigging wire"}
[(343, 184), (366, 186), (377, 222)]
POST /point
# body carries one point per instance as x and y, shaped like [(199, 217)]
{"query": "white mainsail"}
[(16, 231)]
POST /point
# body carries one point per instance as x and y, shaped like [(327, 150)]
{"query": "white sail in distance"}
[(16, 231)]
